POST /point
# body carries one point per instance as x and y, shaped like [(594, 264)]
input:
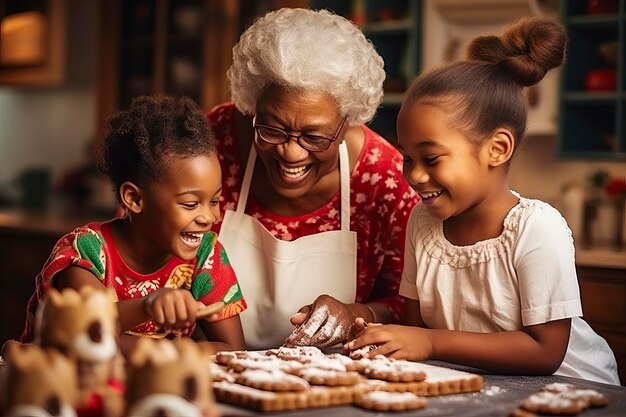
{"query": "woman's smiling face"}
[(292, 170)]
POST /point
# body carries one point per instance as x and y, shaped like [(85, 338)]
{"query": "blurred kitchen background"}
[(67, 64)]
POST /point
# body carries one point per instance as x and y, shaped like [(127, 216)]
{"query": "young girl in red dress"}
[(162, 259)]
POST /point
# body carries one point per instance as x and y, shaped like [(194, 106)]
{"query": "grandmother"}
[(315, 203)]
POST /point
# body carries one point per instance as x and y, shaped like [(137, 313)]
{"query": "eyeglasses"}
[(276, 136)]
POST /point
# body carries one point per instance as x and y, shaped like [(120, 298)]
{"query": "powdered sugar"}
[(273, 376), (493, 390), (322, 328)]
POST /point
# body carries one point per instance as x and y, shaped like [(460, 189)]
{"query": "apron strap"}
[(247, 178), (344, 174)]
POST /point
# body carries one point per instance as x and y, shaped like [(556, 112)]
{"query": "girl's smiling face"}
[(182, 206), (450, 173)]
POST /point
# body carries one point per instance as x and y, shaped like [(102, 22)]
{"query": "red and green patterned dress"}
[(208, 276)]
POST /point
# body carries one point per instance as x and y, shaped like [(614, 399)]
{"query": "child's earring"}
[(130, 196), (501, 146)]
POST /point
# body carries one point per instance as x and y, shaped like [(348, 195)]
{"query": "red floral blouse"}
[(380, 204)]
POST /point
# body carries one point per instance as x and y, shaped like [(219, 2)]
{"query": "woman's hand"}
[(395, 341), (324, 323), (172, 309)]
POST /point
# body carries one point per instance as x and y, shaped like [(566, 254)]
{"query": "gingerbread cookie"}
[(518, 412), (389, 401), (329, 377), (268, 363), (37, 382), (220, 373), (164, 379), (560, 398), (558, 387), (299, 353), (361, 353), (394, 371), (271, 380), (226, 356), (346, 361), (546, 402), (592, 397)]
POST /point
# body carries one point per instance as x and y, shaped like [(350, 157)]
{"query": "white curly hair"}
[(312, 50)]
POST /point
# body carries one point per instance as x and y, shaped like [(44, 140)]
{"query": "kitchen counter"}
[(26, 240), (500, 396), (54, 221), (601, 258)]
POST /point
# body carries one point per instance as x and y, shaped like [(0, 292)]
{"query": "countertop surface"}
[(500, 396), (605, 258), (56, 221)]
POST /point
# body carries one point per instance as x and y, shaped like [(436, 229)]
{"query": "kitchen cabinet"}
[(22, 254), (180, 47), (33, 42), (450, 25), (603, 293), (593, 86), (26, 241), (394, 28)]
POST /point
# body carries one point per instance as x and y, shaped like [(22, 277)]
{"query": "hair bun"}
[(528, 49)]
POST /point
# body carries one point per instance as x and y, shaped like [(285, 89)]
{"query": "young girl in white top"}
[(489, 276)]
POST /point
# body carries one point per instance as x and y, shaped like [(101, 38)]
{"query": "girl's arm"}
[(412, 314), (226, 334), (131, 312), (535, 350), (168, 307)]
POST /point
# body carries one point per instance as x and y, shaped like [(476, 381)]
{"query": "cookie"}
[(267, 363), (362, 352), (546, 402), (590, 397), (558, 387), (560, 398), (395, 371), (268, 401), (274, 380), (389, 401), (329, 377), (346, 361), (518, 412), (226, 356), (219, 373), (301, 354)]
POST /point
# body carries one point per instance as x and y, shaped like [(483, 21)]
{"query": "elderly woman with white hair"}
[(315, 203)]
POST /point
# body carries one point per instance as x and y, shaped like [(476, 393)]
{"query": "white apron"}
[(278, 277)]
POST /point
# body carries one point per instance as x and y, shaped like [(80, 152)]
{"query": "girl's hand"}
[(172, 309), (395, 341), (324, 323)]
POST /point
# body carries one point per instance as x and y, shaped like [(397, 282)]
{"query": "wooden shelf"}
[(398, 40), (592, 122), (144, 50)]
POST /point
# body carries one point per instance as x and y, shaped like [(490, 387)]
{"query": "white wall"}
[(49, 127), (537, 172)]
